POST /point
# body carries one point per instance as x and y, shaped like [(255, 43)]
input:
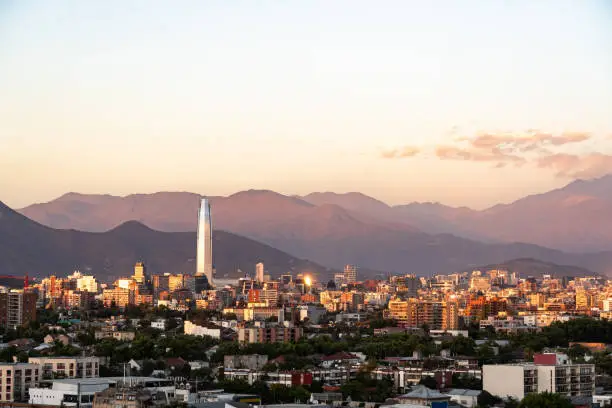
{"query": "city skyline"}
[(409, 102)]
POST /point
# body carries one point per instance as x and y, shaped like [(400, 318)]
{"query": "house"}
[(62, 338), (175, 363), (341, 358), (466, 398), (22, 344), (135, 365), (421, 395), (159, 324)]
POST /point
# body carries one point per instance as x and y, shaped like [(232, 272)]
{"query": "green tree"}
[(486, 399), (545, 400)]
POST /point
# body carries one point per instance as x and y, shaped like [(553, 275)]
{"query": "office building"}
[(350, 274), (259, 272), (140, 274), (70, 393), (204, 264)]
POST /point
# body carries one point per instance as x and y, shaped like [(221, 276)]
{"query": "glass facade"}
[(204, 265)]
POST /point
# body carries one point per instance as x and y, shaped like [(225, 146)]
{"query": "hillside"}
[(28, 247)]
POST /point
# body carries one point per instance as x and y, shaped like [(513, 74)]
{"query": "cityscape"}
[(306, 204)]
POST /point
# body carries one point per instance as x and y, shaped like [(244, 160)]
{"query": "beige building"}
[(548, 373), (417, 312), (16, 379), (68, 367)]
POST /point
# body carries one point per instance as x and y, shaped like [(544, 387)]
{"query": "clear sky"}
[(397, 99)]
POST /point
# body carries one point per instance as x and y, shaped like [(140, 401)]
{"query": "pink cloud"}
[(586, 166), (401, 153)]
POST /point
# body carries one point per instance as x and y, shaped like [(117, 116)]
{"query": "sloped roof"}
[(424, 393)]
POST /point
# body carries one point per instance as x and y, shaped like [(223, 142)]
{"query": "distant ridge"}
[(28, 247)]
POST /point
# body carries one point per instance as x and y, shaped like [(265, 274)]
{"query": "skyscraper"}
[(140, 275), (350, 274), (259, 272), (204, 265)]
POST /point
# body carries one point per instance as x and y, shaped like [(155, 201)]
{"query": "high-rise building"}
[(17, 308), (140, 274), (204, 265), (350, 274), (259, 272), (87, 283)]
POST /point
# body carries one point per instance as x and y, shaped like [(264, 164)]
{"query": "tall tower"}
[(140, 275), (204, 265), (259, 272)]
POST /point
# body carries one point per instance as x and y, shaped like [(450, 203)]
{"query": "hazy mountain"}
[(334, 229), (28, 247)]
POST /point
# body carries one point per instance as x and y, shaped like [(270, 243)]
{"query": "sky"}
[(462, 102)]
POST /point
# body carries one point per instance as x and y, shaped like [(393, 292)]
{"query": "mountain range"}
[(28, 247), (570, 226)]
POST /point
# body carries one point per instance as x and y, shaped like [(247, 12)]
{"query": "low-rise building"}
[(549, 372), (67, 392), (201, 330), (68, 367), (269, 334)]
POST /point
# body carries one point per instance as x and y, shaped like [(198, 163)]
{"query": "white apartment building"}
[(68, 367), (16, 379), (195, 330), (548, 373), (159, 324)]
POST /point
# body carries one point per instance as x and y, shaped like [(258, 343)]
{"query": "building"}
[(249, 362), (17, 308), (548, 373), (67, 367), (197, 330), (465, 398), (259, 272), (416, 313), (67, 392), (204, 264), (350, 274), (269, 334), (129, 398), (118, 297), (87, 283), (140, 274), (17, 379)]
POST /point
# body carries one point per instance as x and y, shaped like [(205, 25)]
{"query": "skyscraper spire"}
[(204, 265)]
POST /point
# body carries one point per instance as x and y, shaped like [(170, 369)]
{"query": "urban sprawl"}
[(472, 339)]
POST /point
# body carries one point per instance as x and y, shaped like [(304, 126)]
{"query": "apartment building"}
[(549, 372), (269, 334), (17, 308), (417, 312), (16, 379), (68, 367)]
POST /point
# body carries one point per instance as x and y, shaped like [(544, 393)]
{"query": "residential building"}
[(269, 334), (68, 367), (17, 379), (17, 308), (118, 297), (548, 373), (87, 283), (198, 330), (350, 274)]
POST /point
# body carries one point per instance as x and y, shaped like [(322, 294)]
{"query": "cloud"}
[(401, 153), (586, 166), (531, 140), (495, 154)]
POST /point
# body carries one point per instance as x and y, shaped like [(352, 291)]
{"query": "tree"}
[(429, 382), (486, 399), (545, 400)]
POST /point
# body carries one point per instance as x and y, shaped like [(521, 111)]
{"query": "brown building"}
[(129, 398), (17, 308)]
